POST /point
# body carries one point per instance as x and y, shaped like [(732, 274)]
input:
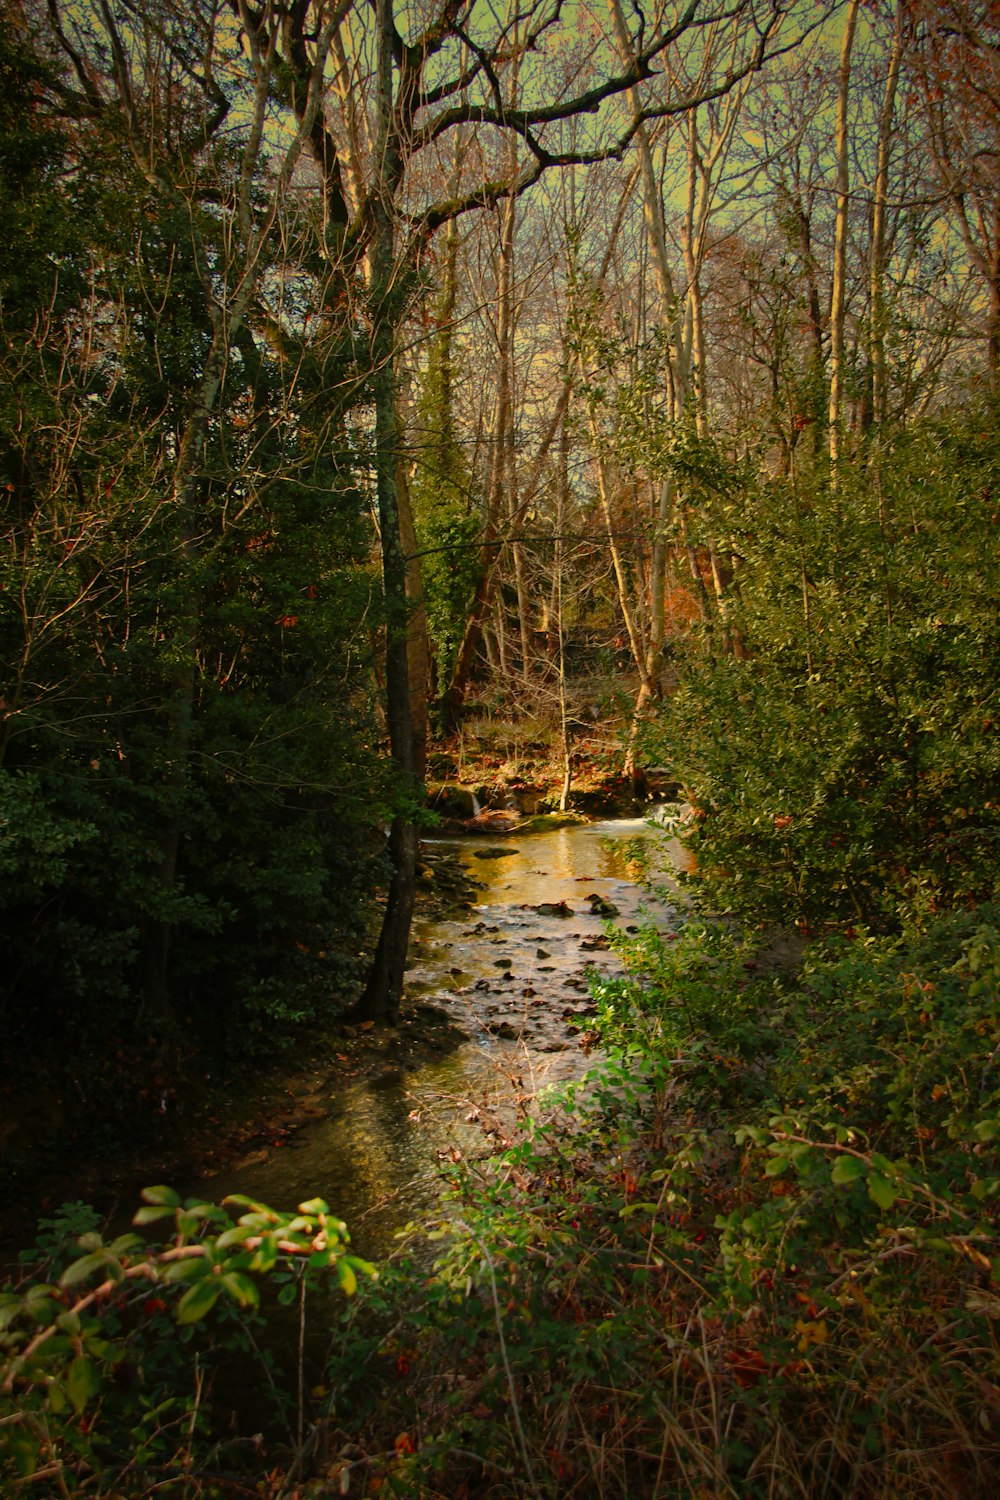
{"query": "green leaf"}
[(288, 1294), (847, 1169), (24, 1452), (241, 1288), (234, 1236), (40, 1292), (161, 1194), (83, 1380), (346, 1277), (196, 1208), (266, 1254), (314, 1206), (198, 1300), (80, 1269), (10, 1307), (192, 1269), (881, 1190), (125, 1244), (151, 1215), (242, 1201)]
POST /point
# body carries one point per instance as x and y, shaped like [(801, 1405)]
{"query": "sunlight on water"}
[(515, 979)]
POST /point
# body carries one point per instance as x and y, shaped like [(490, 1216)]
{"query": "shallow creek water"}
[(512, 978)]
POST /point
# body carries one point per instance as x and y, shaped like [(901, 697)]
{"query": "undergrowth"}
[(755, 1255)]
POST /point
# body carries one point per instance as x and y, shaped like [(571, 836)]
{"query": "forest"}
[(384, 377)]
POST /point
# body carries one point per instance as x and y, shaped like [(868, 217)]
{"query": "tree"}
[(269, 245), (838, 292), (183, 773), (445, 512), (955, 60), (455, 71)]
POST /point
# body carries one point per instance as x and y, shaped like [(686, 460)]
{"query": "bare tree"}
[(955, 59), (838, 299)]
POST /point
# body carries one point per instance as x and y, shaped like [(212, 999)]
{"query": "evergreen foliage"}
[(239, 849)]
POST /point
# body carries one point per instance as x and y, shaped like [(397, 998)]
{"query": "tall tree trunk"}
[(562, 499), (816, 399), (384, 988), (993, 335), (674, 324), (503, 487), (878, 244), (838, 297), (452, 699), (621, 581), (418, 653)]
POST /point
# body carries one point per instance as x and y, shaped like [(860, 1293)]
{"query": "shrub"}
[(849, 768), (107, 1357)]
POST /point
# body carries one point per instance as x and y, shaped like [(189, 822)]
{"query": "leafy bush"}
[(754, 1255), (849, 767), (190, 787), (107, 1357)]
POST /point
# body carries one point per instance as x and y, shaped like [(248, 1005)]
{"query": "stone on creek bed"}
[(493, 851), (504, 1030)]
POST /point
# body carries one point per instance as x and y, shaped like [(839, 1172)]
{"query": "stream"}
[(510, 976)]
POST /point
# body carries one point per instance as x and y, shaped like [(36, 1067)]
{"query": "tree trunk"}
[(418, 651), (562, 497), (838, 297), (624, 603), (878, 244), (993, 335), (451, 702), (384, 988)]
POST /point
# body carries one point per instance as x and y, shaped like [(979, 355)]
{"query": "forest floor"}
[(518, 763)]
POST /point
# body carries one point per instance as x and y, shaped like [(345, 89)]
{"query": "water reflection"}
[(512, 977)]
